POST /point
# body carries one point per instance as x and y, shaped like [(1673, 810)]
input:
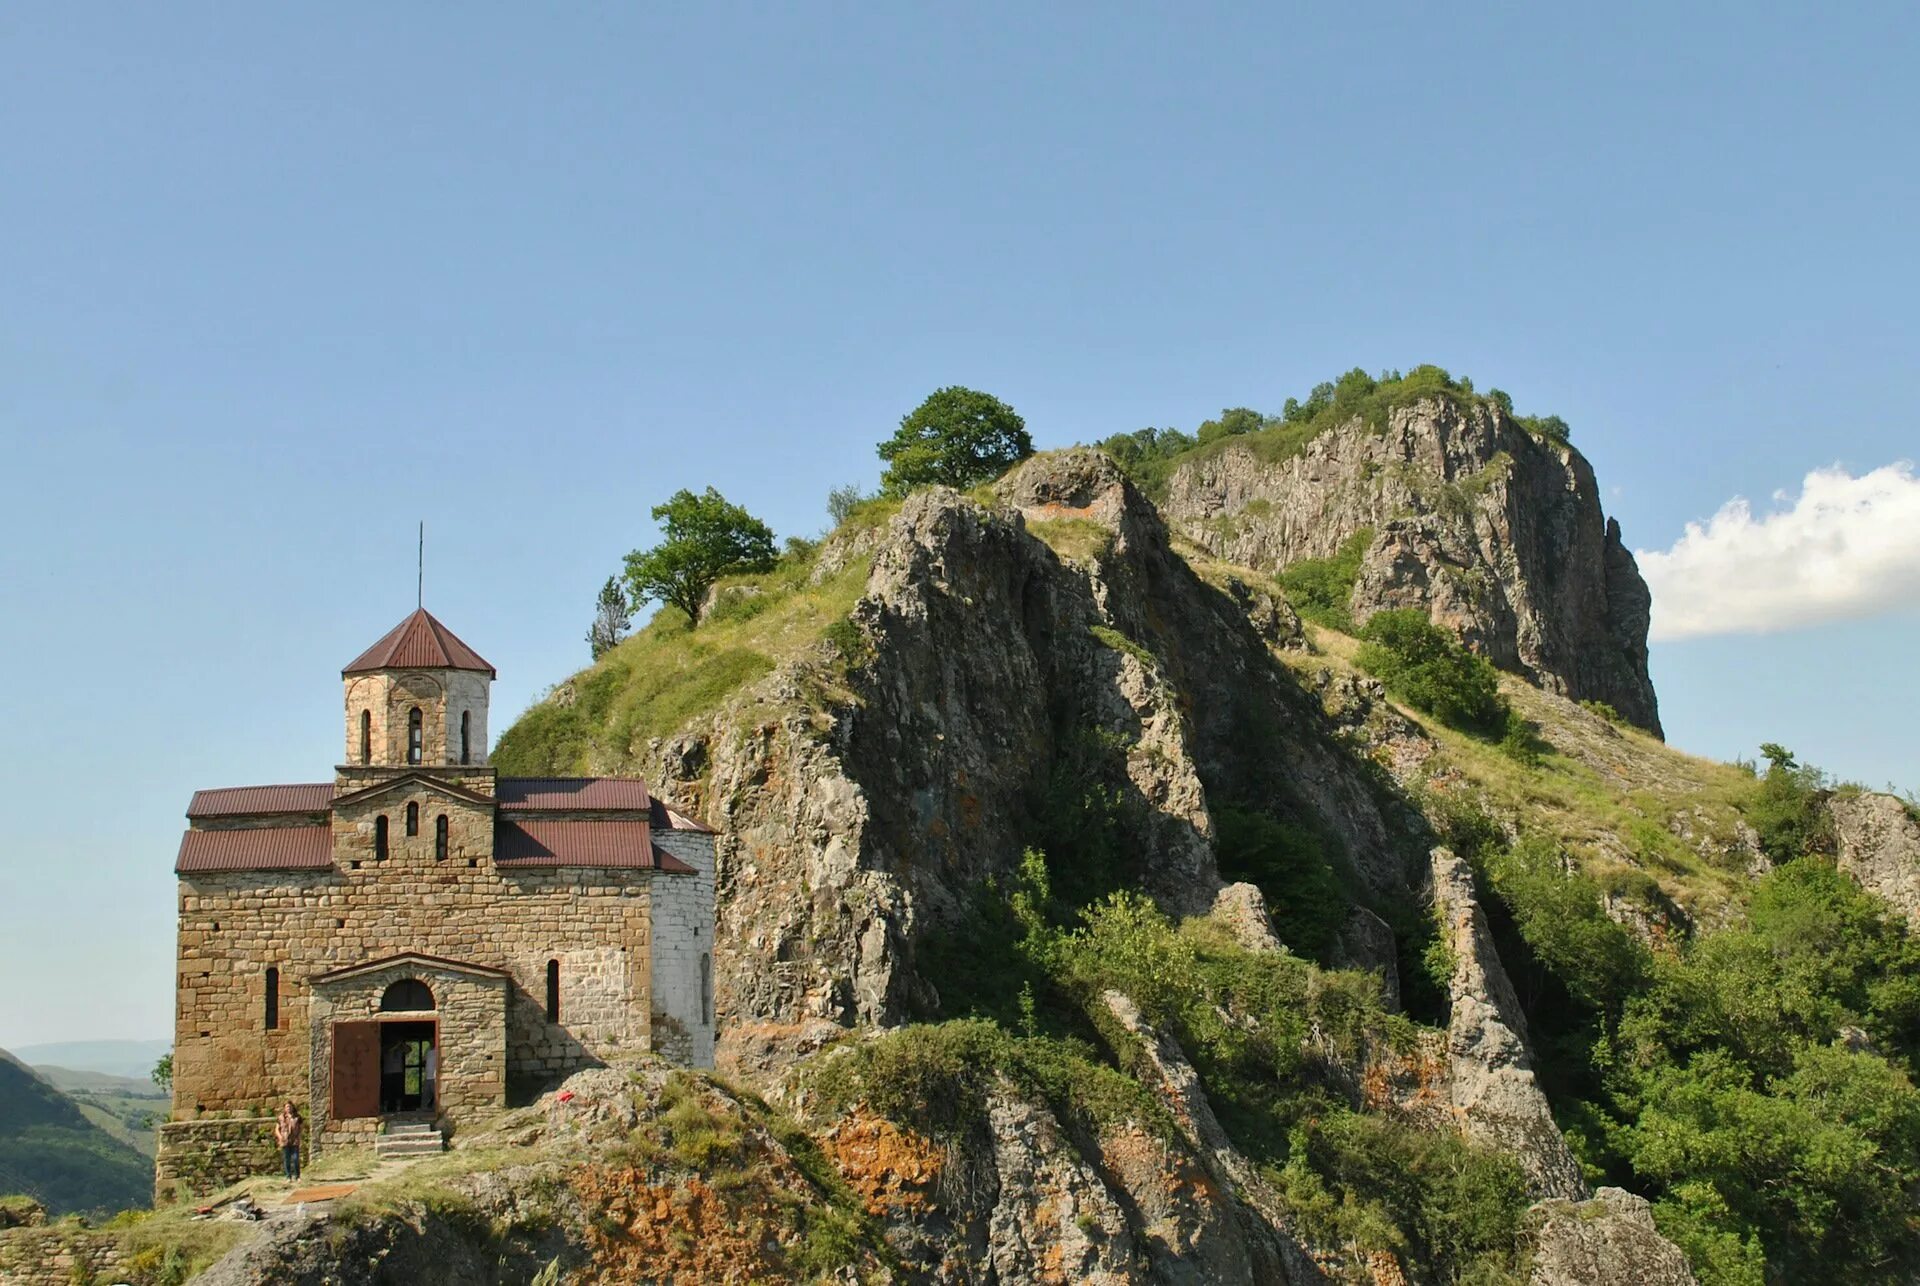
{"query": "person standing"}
[(286, 1132)]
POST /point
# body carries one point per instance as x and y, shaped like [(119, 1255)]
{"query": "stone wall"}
[(442, 696), (234, 926), (470, 1015), (683, 976), (60, 1255), (196, 1158)]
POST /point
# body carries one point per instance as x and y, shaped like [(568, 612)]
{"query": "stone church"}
[(412, 943)]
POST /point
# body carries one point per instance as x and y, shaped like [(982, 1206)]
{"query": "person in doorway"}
[(429, 1079), (286, 1132), (393, 1078)]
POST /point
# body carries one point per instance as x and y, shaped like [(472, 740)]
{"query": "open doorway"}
[(409, 1067)]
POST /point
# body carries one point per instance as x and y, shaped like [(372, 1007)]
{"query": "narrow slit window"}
[(366, 736), (466, 736), (416, 736), (413, 819), (553, 991), (706, 987), (380, 838), (440, 838), (273, 999)]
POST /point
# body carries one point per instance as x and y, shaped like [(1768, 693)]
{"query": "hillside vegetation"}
[(984, 786), (49, 1150)]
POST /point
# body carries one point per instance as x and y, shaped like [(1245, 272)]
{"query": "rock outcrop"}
[(1261, 1249), (1490, 1080), (1607, 1241), (1878, 843), (862, 810), (1494, 532)]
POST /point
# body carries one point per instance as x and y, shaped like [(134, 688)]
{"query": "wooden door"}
[(356, 1070)]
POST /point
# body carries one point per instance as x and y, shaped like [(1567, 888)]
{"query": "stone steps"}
[(409, 1139)]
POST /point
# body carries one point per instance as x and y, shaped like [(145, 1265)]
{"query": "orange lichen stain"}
[(1146, 1164), (1049, 512), (1384, 1270), (893, 1170), (970, 811), (680, 1232), (1410, 1081)]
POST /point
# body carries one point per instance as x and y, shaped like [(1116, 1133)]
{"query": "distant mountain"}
[(50, 1150), (124, 1107), (133, 1059)]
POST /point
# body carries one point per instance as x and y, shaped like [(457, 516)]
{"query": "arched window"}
[(416, 736), (273, 999), (413, 819), (706, 987), (380, 838), (440, 838), (366, 736), (553, 991), (466, 736), (407, 996)]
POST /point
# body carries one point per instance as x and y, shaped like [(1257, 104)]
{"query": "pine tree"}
[(610, 619)]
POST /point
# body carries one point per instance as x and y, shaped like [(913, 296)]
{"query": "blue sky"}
[(280, 283)]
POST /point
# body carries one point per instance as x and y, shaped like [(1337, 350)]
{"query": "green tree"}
[(842, 501), (162, 1072), (1426, 667), (1233, 422), (611, 618), (957, 438), (705, 538)]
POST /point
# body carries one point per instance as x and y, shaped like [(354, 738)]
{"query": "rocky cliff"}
[(1493, 530), (866, 794), (1085, 917)]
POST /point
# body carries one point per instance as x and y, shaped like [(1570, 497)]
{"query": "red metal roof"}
[(559, 793), (419, 643), (530, 841), (266, 848), (306, 797), (672, 819)]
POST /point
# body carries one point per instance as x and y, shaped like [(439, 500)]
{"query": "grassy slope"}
[(669, 674), (49, 1149), (1633, 810), (123, 1107), (1630, 807)]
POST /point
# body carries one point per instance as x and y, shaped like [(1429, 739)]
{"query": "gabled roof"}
[(562, 794), (414, 778), (242, 801), (419, 643), (264, 848), (435, 964)]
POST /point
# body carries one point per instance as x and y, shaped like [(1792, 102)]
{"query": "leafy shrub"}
[(936, 1078), (1426, 667), (1151, 455), (1320, 588), (1288, 862), (1429, 1195), (1721, 1080), (1788, 810)]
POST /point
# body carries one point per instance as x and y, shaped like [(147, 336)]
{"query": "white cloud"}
[(1847, 548)]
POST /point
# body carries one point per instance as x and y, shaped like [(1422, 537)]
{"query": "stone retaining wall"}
[(198, 1158), (61, 1255)]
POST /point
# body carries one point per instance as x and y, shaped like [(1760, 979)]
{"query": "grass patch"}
[(669, 673), (1074, 539), (1321, 588), (1119, 642)]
